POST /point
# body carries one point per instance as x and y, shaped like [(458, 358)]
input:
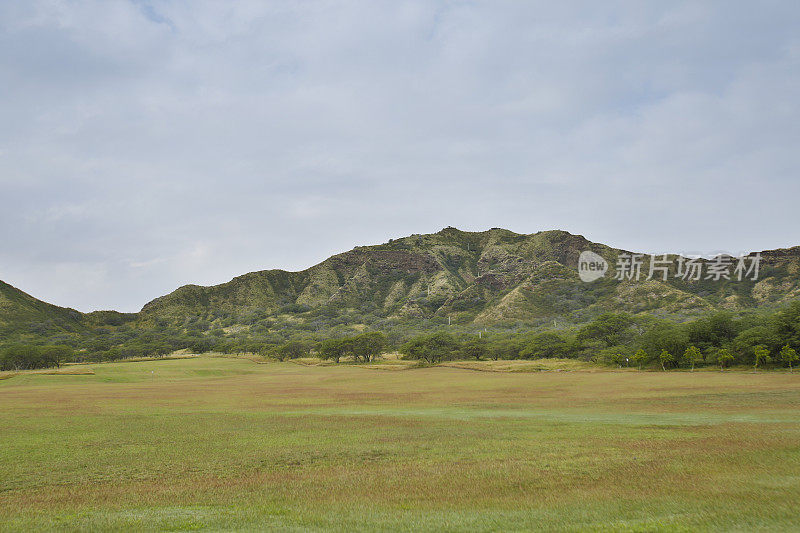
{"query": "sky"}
[(145, 145)]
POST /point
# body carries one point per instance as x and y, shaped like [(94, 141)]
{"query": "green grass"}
[(225, 443)]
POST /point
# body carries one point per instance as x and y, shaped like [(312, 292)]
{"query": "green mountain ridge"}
[(18, 307), (420, 275), (481, 277), (490, 277)]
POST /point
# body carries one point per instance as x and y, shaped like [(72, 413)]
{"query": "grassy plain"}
[(225, 443)]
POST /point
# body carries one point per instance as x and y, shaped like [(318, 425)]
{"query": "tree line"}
[(722, 339)]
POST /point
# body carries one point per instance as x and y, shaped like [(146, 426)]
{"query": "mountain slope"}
[(482, 277), (21, 312), (489, 277)]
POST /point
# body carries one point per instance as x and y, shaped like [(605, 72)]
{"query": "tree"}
[(750, 339), (608, 328), (692, 356), (263, 349), (639, 357), (475, 348), (19, 357), (724, 357), (291, 350), (789, 355), (431, 348), (762, 357), (713, 330), (665, 337), (334, 349), (369, 345), (504, 349), (544, 345), (618, 358), (787, 324), (666, 358)]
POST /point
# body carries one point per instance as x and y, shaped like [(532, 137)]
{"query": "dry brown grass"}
[(528, 365)]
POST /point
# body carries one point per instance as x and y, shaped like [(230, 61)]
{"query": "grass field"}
[(224, 443)]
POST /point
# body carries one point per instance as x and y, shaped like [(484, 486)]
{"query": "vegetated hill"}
[(495, 276), (25, 316), (21, 312), (490, 277)]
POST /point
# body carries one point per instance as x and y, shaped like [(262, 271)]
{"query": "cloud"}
[(144, 145)]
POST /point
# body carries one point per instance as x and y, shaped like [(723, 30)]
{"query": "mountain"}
[(21, 311), (482, 277), (490, 277)]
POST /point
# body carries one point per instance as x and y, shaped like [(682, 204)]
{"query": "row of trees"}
[(722, 339), (692, 357), (26, 357)]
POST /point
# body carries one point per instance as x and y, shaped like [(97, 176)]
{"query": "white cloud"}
[(223, 137)]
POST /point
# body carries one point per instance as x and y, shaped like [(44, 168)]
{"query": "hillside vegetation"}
[(505, 286), (485, 277)]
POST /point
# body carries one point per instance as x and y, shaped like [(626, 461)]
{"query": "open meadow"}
[(226, 443)]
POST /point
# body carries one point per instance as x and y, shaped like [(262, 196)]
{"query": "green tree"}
[(725, 358), (746, 342), (608, 328), (335, 349), (639, 358), (264, 349), (475, 348), (19, 357), (504, 349), (544, 345), (789, 356), (369, 345), (431, 348), (665, 337), (692, 356), (619, 359), (762, 357), (665, 358), (787, 324), (291, 350), (713, 330)]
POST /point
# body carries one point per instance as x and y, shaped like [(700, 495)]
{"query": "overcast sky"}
[(145, 144)]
